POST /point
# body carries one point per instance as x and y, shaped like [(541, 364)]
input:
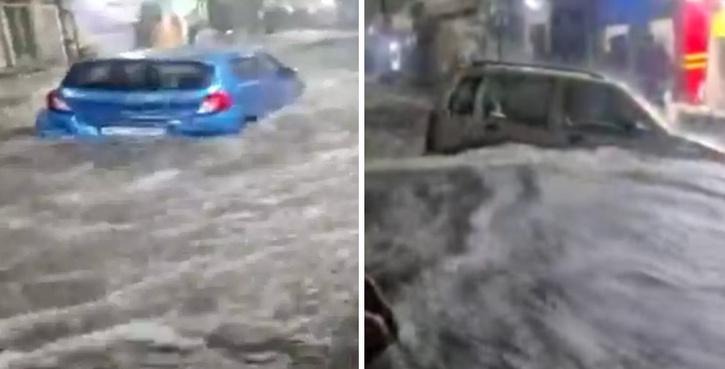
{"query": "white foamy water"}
[(517, 257)]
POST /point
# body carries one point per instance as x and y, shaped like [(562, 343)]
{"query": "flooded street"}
[(525, 258), (222, 253)]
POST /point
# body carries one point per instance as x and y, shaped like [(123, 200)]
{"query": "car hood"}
[(688, 149)]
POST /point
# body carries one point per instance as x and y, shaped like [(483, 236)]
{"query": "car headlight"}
[(394, 46)]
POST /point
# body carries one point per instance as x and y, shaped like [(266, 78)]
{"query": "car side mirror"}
[(636, 127), (287, 72)]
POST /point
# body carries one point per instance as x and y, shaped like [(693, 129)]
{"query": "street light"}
[(534, 4)]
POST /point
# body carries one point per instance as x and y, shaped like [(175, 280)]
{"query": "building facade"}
[(31, 33)]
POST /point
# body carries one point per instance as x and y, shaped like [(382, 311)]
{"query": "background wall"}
[(49, 37)]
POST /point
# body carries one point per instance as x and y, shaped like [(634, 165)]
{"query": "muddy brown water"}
[(222, 253)]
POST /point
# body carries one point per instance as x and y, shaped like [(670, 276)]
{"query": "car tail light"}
[(215, 102), (56, 103)]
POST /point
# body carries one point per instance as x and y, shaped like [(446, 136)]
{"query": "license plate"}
[(132, 131)]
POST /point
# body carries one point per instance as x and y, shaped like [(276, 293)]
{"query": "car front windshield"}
[(138, 75)]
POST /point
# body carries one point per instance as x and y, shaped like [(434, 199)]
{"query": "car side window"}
[(462, 101), (601, 108), (518, 98), (245, 68)]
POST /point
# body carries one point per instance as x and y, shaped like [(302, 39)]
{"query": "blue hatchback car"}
[(186, 91)]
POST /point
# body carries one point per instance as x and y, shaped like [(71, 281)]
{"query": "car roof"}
[(186, 53), (482, 66)]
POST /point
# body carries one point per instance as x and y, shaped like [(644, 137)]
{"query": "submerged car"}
[(186, 91), (492, 103)]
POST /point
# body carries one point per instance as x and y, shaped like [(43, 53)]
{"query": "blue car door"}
[(250, 88), (280, 81)]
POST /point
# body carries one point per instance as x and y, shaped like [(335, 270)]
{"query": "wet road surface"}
[(518, 257), (223, 253)]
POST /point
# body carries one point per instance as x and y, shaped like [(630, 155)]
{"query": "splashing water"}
[(133, 254), (516, 257)]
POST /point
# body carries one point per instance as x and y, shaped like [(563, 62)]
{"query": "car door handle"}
[(249, 84)]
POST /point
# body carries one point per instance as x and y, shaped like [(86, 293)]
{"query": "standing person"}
[(562, 38), (426, 32), (537, 38), (149, 16), (616, 60), (652, 68), (170, 32)]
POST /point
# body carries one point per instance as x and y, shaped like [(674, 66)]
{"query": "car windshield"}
[(139, 75)]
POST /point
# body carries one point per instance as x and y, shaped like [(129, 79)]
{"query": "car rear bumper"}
[(50, 124)]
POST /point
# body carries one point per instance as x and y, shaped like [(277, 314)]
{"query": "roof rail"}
[(483, 63)]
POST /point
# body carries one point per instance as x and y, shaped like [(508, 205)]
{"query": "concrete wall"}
[(106, 24), (31, 35), (4, 61), (48, 34), (6, 57)]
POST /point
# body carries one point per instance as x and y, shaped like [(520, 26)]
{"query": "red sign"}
[(693, 32)]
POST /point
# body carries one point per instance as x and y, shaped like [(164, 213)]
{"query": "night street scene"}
[(544, 184), (179, 184)]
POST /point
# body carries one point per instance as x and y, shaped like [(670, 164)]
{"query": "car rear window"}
[(139, 75)]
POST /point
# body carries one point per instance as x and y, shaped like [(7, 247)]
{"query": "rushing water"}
[(212, 253), (516, 257)]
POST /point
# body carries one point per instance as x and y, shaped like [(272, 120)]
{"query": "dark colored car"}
[(492, 103)]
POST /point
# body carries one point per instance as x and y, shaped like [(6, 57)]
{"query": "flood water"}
[(517, 257), (223, 253)]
